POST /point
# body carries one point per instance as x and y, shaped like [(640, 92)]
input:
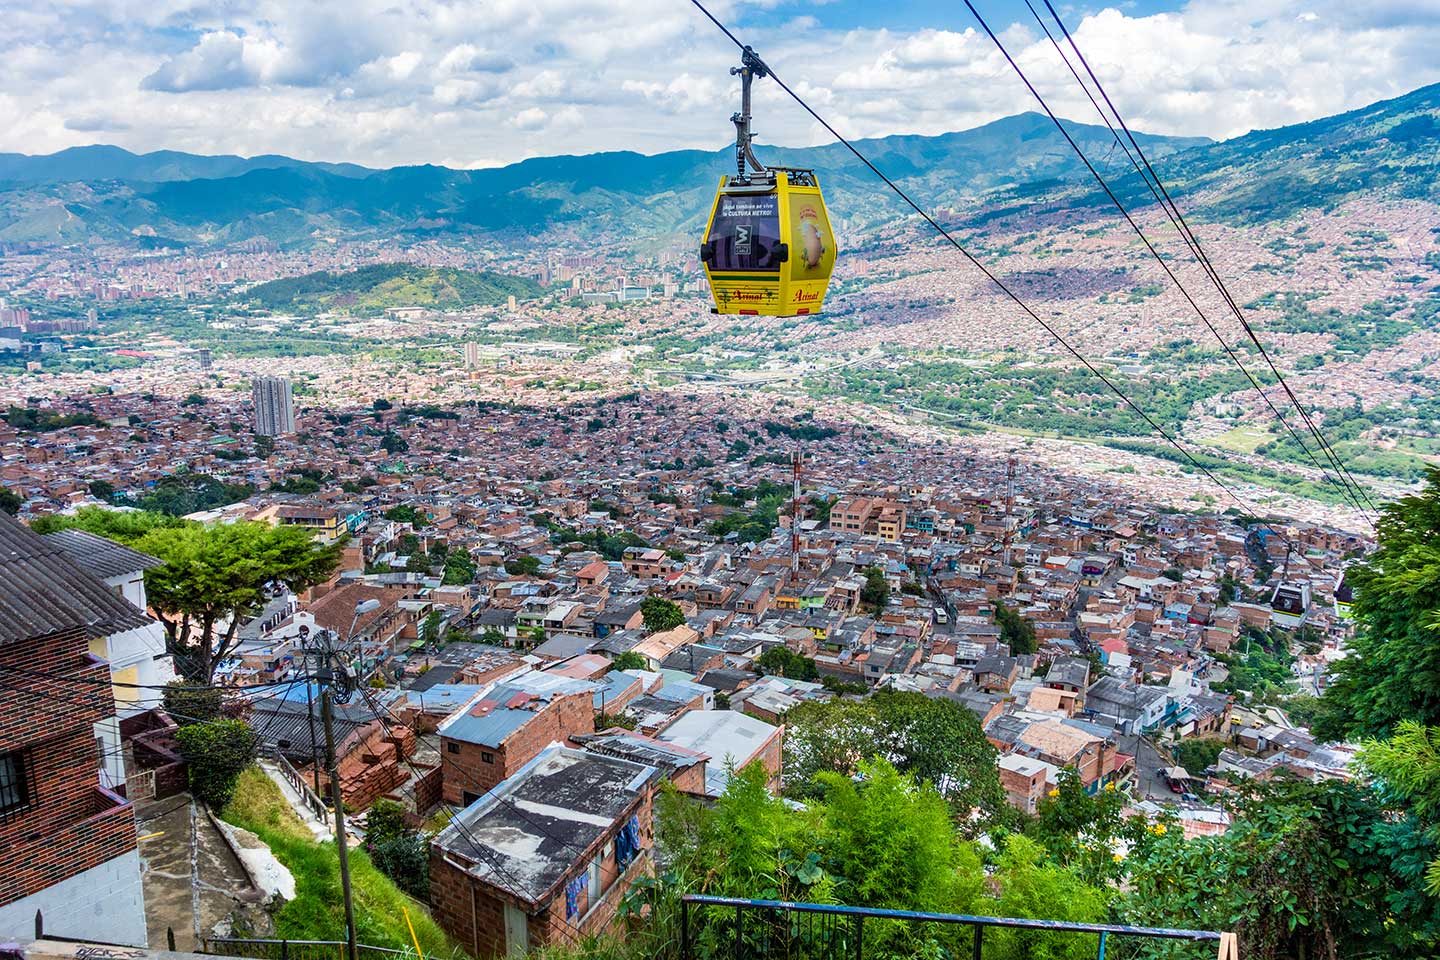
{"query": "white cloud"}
[(409, 81), (216, 62)]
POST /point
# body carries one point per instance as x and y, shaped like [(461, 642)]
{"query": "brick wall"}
[(771, 757), (70, 826), (473, 913), (374, 765), (465, 768)]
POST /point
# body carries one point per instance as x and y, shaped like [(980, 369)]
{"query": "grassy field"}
[(1240, 439), (317, 913)]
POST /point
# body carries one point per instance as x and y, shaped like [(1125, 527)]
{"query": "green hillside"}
[(1017, 166), (372, 290)]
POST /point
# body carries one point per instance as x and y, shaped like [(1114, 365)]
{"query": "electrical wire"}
[(1338, 479), (1199, 250), (511, 884), (1244, 506), (99, 681)]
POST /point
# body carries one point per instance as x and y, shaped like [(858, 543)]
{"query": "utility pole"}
[(325, 674), (342, 846)]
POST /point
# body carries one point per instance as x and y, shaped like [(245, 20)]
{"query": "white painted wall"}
[(105, 903)]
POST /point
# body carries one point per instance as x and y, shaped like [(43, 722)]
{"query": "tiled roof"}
[(43, 590), (102, 557)]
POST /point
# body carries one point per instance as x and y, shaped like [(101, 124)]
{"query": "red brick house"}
[(546, 857), (505, 725), (64, 839)]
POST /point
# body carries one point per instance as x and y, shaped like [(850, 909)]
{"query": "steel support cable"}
[(1192, 241), (1338, 480), (1244, 506)]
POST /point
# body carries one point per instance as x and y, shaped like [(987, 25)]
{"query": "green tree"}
[(460, 568), (122, 526), (1197, 753), (1392, 673), (875, 594), (784, 662), (215, 753), (102, 489), (1324, 869), (1081, 830), (430, 627), (213, 579), (660, 614), (187, 703), (396, 849), (1409, 766), (526, 566), (1031, 886), (10, 501), (384, 821), (934, 740), (391, 442), (408, 513), (628, 660), (1015, 630)]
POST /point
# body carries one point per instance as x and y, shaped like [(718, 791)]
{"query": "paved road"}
[(1149, 784)]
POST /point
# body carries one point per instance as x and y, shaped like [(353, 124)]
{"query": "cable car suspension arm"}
[(751, 66)]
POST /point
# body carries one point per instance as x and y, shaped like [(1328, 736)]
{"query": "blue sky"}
[(485, 82)]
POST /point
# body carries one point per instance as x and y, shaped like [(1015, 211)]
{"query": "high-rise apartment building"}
[(203, 355), (274, 400), (472, 354)]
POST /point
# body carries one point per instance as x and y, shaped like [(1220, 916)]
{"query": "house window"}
[(486, 757), (452, 747), (17, 792)]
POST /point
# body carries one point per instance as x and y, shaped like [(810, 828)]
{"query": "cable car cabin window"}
[(746, 233)]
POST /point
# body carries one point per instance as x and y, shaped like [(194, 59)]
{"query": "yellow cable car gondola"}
[(768, 247)]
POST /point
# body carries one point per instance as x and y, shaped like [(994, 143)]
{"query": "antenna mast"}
[(797, 460), (1009, 505)]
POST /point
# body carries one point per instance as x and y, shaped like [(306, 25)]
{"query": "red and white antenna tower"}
[(797, 460), (1009, 506)]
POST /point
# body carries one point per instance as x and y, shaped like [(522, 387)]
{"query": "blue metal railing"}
[(765, 929)]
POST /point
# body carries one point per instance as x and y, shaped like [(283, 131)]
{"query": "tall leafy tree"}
[(459, 568), (1015, 630), (214, 578), (1392, 673), (875, 594), (936, 740), (1325, 869), (660, 614)]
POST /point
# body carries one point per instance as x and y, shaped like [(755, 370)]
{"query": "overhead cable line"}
[(510, 884), (1338, 479), (1244, 506), (1202, 257)]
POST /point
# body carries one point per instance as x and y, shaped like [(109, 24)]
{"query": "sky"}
[(488, 82)]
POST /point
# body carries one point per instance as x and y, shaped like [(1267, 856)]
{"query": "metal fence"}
[(259, 949), (302, 787), (723, 928)]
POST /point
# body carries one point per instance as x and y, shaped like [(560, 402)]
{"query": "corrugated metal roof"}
[(43, 590), (104, 558)]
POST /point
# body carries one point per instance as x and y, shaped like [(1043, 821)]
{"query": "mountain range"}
[(1011, 166)]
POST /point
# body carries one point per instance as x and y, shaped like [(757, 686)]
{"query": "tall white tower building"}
[(274, 400)]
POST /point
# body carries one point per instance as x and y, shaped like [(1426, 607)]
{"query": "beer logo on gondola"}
[(812, 237)]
